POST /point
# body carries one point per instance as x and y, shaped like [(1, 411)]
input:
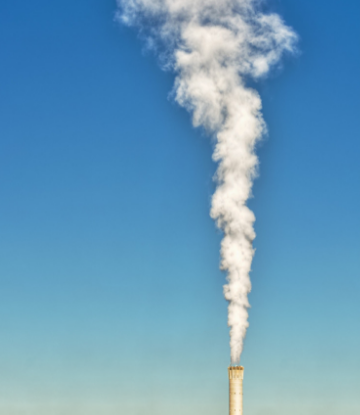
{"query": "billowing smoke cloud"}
[(215, 47)]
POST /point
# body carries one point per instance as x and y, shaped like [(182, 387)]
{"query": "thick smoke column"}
[(214, 47)]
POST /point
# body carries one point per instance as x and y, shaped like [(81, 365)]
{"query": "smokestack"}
[(236, 376)]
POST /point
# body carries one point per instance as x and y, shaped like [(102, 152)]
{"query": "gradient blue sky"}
[(110, 294)]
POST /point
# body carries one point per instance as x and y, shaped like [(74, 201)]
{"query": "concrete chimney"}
[(236, 376)]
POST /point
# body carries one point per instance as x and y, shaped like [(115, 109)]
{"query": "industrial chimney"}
[(236, 376)]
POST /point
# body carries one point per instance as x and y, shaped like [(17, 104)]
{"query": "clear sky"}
[(110, 293)]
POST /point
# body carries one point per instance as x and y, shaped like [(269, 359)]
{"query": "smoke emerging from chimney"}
[(214, 47)]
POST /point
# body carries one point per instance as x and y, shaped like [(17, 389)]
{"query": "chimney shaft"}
[(236, 376)]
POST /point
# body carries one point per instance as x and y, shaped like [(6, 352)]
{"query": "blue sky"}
[(110, 293)]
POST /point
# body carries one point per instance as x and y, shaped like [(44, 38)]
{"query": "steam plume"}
[(214, 47)]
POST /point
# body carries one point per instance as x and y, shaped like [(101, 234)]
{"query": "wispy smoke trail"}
[(214, 47)]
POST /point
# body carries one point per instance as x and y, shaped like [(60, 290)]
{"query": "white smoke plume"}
[(215, 47)]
